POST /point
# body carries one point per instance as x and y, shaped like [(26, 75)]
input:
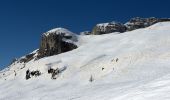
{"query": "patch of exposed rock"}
[(105, 28)]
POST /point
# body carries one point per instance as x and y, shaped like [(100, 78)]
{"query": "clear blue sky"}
[(23, 21)]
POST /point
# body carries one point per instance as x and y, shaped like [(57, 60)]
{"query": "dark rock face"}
[(108, 28), (56, 42), (136, 23)]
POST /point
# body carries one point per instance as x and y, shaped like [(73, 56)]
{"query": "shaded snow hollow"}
[(133, 65)]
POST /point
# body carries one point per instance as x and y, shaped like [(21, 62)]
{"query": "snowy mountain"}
[(134, 65)]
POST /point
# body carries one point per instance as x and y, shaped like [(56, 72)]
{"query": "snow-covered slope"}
[(129, 66)]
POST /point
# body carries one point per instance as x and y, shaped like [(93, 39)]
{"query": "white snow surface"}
[(65, 32), (141, 71), (103, 24), (59, 30)]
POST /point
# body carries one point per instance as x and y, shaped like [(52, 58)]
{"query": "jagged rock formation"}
[(57, 41), (136, 23), (105, 28)]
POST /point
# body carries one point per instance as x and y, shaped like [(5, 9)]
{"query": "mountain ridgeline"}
[(60, 40)]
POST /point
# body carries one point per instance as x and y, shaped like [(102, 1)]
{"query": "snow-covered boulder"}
[(57, 41), (105, 28)]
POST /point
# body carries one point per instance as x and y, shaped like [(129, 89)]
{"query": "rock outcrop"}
[(105, 28), (136, 23), (57, 41)]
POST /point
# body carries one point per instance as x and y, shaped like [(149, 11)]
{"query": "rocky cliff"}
[(57, 41)]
